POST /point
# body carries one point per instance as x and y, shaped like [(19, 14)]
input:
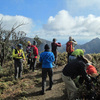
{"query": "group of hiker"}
[(78, 64)]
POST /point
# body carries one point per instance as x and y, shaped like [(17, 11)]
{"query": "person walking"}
[(75, 68), (70, 46), (18, 56), (54, 46), (46, 58), (34, 54)]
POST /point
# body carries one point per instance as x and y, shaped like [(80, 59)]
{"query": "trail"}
[(57, 92), (33, 93)]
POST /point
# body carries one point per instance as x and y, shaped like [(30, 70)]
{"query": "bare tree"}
[(6, 37)]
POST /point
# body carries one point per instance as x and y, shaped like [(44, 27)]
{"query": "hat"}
[(28, 42), (86, 60), (46, 47), (54, 39), (88, 56), (19, 46), (70, 38)]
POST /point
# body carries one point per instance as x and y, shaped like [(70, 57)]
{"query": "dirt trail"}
[(34, 92), (57, 92)]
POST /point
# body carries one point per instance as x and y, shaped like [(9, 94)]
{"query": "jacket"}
[(76, 68), (15, 54), (46, 58), (78, 52), (35, 51), (54, 46)]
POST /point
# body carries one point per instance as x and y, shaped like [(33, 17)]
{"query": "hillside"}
[(92, 46)]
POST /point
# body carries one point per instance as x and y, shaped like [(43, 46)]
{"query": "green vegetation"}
[(11, 87)]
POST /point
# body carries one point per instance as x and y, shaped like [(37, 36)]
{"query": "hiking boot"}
[(49, 89)]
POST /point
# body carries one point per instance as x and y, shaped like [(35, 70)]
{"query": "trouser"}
[(55, 55), (70, 86), (29, 61), (46, 71), (33, 64), (68, 57), (18, 63)]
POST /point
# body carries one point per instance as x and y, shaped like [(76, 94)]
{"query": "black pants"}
[(45, 72), (55, 55), (33, 64), (18, 63)]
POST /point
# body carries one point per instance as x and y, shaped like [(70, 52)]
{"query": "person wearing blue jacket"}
[(47, 58)]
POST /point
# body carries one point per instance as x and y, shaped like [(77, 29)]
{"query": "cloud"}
[(63, 25), (9, 21)]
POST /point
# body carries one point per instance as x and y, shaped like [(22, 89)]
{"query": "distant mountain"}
[(92, 46)]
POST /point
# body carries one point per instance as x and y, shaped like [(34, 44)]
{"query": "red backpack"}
[(69, 47)]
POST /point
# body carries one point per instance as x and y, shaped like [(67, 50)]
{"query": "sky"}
[(53, 18)]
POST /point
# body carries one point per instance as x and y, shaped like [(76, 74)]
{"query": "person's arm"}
[(58, 44)]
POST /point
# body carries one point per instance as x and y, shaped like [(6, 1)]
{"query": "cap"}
[(46, 47), (19, 46), (54, 39)]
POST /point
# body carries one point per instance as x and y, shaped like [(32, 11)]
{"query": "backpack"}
[(69, 47), (31, 52), (15, 53)]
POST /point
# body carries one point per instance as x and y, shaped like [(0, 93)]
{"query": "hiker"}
[(75, 53), (70, 46), (18, 56), (46, 58), (54, 46), (34, 54), (28, 50), (71, 71)]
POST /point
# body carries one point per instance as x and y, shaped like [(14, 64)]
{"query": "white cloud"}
[(63, 25), (10, 21)]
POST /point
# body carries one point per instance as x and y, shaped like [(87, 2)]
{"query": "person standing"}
[(34, 54), (70, 46), (28, 50), (46, 58), (54, 46), (18, 56)]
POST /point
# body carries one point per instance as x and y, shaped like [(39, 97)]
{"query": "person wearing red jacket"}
[(34, 54), (54, 46)]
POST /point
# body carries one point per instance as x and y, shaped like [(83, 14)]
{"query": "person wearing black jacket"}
[(71, 71)]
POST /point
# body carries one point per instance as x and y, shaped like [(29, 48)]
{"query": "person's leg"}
[(20, 68), (31, 63), (70, 86), (50, 74), (16, 68), (34, 64), (44, 75)]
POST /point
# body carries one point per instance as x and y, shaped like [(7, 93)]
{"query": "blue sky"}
[(54, 18)]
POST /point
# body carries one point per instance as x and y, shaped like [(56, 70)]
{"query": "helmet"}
[(34, 42)]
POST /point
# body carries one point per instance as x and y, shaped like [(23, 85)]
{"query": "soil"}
[(34, 93)]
